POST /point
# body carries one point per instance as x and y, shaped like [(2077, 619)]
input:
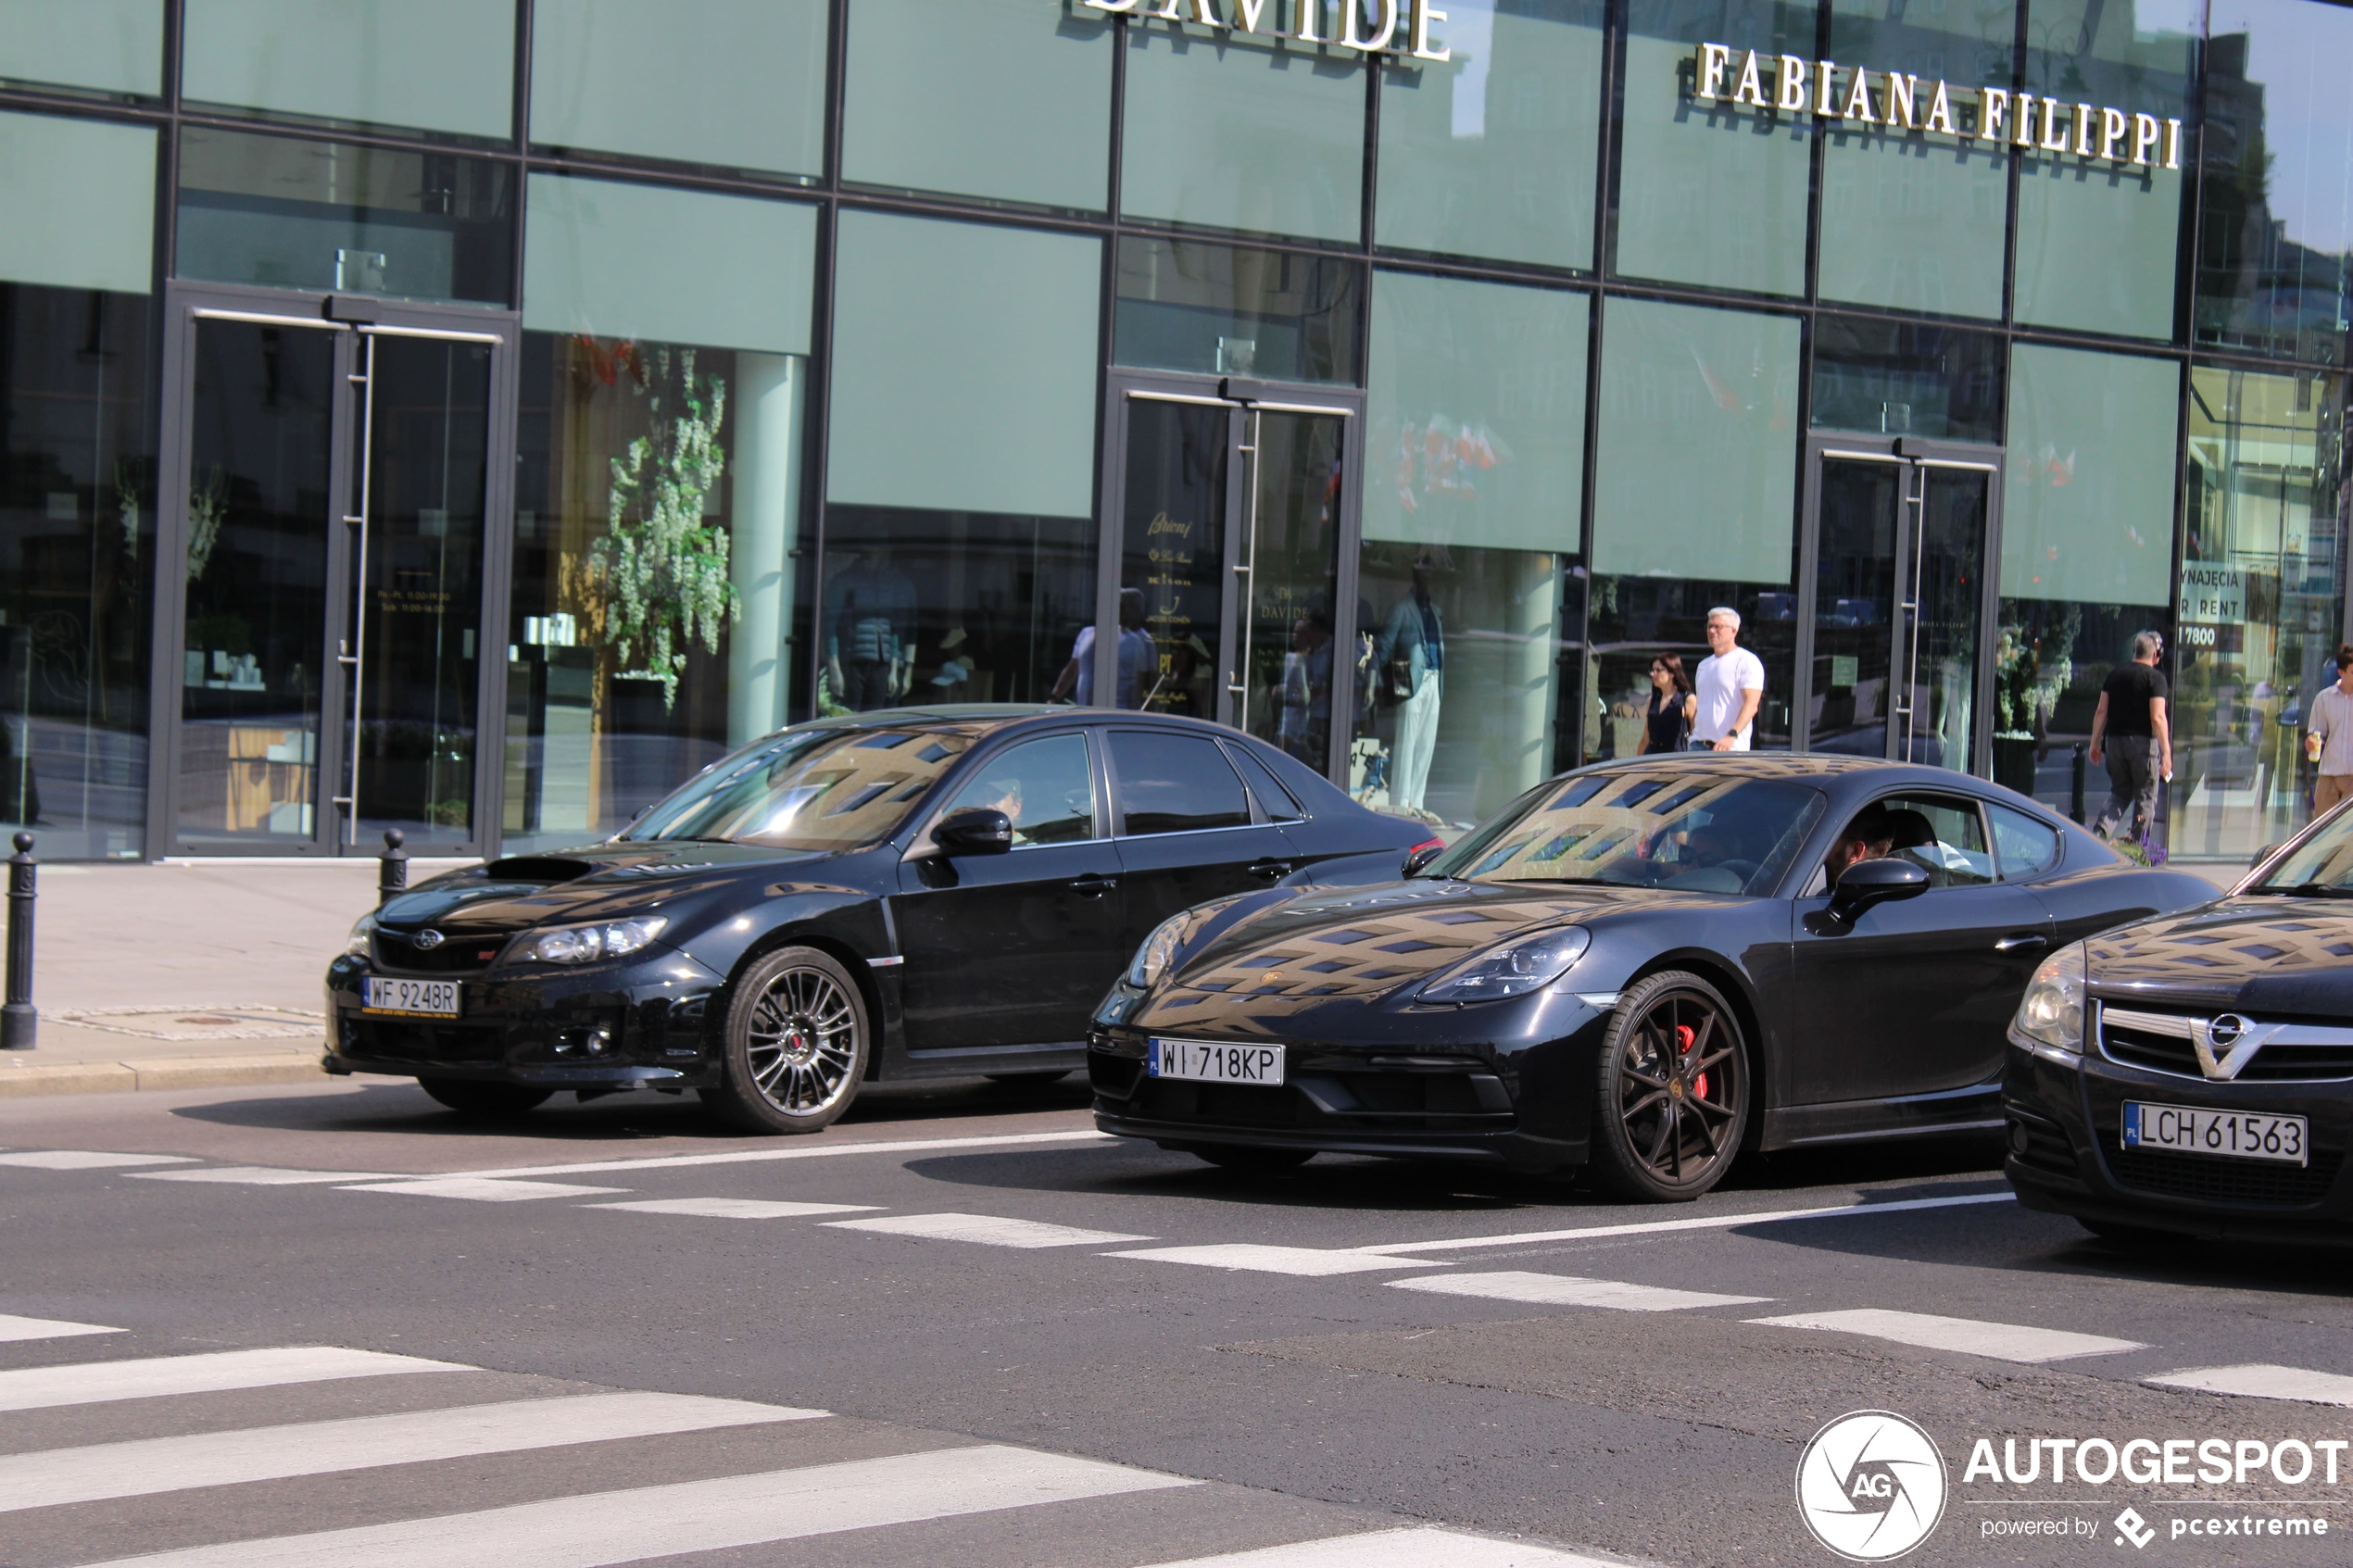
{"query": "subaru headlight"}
[(2051, 1013), (364, 930), (586, 944), (1158, 952), (1514, 969)]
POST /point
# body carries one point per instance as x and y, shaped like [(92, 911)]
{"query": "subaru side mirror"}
[(1868, 883), (976, 830)]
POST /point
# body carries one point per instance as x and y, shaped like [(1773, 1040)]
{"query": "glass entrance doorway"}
[(327, 505), (1903, 548), (1224, 579)]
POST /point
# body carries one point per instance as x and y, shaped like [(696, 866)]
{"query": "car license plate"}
[(418, 998), (1207, 1061), (2235, 1135)]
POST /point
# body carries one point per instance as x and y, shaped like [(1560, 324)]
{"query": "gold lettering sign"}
[(1855, 95), (1400, 27)]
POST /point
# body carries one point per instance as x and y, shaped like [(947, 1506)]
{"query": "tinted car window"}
[(814, 788), (1943, 835), (1264, 784), (1044, 786), (2323, 864), (2022, 846), (1174, 784)]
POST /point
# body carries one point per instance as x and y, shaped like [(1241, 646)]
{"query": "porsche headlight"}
[(1514, 969), (1158, 952), (586, 944), (2051, 1013), (362, 931)]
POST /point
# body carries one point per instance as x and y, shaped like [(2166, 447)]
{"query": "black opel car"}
[(925, 892), (2194, 1074), (1641, 967)]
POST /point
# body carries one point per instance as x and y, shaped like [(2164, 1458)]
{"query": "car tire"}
[(1252, 1161), (796, 1046), (1672, 1091), (483, 1101)]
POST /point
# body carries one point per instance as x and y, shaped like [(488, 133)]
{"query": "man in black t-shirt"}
[(2131, 727)]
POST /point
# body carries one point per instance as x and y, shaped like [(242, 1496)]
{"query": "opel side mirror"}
[(1868, 883), (976, 830)]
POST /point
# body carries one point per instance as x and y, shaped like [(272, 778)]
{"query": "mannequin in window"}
[(870, 631), (1410, 658)]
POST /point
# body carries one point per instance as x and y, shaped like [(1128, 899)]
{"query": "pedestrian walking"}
[(2328, 735), (1668, 724), (2131, 735), (1730, 687)]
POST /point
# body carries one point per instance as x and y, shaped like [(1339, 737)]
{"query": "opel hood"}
[(2260, 955)]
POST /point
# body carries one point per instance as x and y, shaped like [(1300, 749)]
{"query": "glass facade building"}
[(473, 417)]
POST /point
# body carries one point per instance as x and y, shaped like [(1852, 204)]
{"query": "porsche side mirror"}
[(1421, 855), (1867, 883), (976, 830)]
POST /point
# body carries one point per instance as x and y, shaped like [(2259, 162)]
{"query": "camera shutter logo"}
[(1870, 1486)]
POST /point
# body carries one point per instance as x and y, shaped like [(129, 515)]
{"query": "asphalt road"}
[(1035, 1346)]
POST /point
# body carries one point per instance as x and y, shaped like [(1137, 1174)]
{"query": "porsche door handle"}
[(1270, 871), (1094, 885), (2021, 943)]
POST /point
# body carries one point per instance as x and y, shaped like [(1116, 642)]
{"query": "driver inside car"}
[(1870, 836)]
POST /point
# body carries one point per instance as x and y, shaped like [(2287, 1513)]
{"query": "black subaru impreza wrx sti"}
[(927, 892)]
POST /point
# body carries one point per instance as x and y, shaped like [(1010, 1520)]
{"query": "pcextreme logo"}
[(1870, 1486)]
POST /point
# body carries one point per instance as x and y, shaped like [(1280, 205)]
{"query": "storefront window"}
[(330, 215), (2098, 242), (658, 511), (1494, 152), (2087, 550), (104, 46), (1711, 194), (430, 65), (1227, 310), (1906, 214), (737, 84), (2262, 603), (1900, 377), (1239, 131), (1004, 99), (78, 367), (959, 546), (2276, 219), (1674, 537), (1474, 481)]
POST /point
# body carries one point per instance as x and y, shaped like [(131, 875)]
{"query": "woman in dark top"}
[(1673, 706)]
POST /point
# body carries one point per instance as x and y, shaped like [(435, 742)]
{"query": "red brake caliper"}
[(1685, 1038)]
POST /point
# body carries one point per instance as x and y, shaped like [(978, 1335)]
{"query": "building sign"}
[(1853, 95), (1400, 27)]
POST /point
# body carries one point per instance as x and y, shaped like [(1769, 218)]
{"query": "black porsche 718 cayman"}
[(1640, 967), (918, 892)]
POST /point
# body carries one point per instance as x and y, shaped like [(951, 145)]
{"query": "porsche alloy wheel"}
[(1672, 1100), (796, 1043)]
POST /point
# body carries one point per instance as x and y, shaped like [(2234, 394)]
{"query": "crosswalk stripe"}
[(1568, 1290), (47, 1328), (736, 1208), (1275, 1259), (87, 1160), (1725, 1221), (321, 1448), (989, 1230), (1421, 1548), (91, 1383), (2001, 1341), (2257, 1381), (817, 1152), (481, 1191), (736, 1511), (264, 1177)]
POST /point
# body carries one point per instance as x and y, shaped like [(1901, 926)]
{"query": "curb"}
[(164, 1072)]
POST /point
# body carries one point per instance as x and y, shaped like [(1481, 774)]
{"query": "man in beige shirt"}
[(2328, 736)]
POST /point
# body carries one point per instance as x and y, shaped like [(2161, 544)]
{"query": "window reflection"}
[(1225, 310)]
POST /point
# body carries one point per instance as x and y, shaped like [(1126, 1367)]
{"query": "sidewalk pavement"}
[(186, 976)]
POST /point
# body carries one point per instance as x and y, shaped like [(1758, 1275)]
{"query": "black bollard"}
[(391, 868), (19, 1019), (2076, 790)]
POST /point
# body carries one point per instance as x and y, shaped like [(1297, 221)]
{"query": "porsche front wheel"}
[(1672, 1099)]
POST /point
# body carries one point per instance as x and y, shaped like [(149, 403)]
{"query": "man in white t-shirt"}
[(1732, 685)]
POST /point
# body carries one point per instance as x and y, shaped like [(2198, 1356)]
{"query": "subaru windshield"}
[(817, 788)]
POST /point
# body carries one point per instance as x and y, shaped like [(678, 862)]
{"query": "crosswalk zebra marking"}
[(1260, 1258), (482, 1191), (87, 1160), (1569, 1290), (91, 1383), (1423, 1548), (264, 1177), (736, 1208), (2000, 1341), (988, 1229), (2255, 1380), (15, 1328), (603, 1528)]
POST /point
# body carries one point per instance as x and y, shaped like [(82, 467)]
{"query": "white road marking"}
[(47, 1328), (822, 1151), (689, 1516), (264, 1176), (1705, 1222), (736, 1208), (92, 1383), (1399, 1548), (989, 1230), (1276, 1259), (2002, 1341), (322, 1447), (2256, 1381), (1566, 1290), (482, 1191), (88, 1160)]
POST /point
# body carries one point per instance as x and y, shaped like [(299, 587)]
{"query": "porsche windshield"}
[(808, 789), (1704, 831)]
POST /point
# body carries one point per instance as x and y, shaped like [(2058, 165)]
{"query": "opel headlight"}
[(1158, 952), (2051, 1013), (362, 931), (586, 944), (1512, 970)]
